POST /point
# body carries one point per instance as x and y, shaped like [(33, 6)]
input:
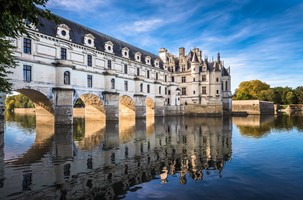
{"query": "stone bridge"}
[(58, 102)]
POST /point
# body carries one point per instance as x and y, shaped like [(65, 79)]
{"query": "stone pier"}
[(140, 103), (63, 105), (111, 104)]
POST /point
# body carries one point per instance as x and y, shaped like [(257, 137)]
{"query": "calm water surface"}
[(167, 158)]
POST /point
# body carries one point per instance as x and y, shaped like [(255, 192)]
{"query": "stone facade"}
[(60, 63), (252, 107)]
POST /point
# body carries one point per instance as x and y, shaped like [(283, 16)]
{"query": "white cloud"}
[(141, 26)]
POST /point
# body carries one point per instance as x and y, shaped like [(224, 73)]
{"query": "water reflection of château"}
[(106, 161)]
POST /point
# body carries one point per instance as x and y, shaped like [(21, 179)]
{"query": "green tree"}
[(299, 94), (251, 90), (13, 14), (290, 97)]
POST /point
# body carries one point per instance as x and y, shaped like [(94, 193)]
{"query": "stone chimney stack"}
[(181, 52), (163, 54)]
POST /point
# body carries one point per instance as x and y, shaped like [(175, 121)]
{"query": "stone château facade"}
[(60, 63)]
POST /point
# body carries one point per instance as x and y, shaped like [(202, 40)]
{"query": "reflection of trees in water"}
[(25, 120), (255, 131), (288, 122), (79, 129)]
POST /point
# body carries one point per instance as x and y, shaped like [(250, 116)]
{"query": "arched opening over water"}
[(127, 117), (91, 106)]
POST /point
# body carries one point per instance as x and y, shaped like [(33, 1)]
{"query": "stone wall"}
[(203, 110), (252, 107)]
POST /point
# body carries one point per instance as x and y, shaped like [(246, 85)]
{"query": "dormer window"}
[(89, 40), (125, 52), (63, 31), (156, 63), (147, 60), (109, 47), (138, 56)]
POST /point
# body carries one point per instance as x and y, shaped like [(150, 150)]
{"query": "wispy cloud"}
[(144, 25)]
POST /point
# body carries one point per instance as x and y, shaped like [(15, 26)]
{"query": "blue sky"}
[(258, 39)]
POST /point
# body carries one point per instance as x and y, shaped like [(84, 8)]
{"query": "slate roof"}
[(78, 31)]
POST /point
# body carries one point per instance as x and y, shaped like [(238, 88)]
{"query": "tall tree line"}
[(256, 89)]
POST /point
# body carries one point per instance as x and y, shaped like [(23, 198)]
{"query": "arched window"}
[(141, 87), (67, 78), (112, 83)]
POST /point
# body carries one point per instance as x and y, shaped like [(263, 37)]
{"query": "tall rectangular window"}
[(183, 79), (63, 53), (165, 78), (89, 81), (203, 90), (147, 73), (109, 64), (148, 89), (172, 79), (203, 78), (125, 85), (27, 73), (165, 90), (27, 45), (156, 76), (125, 68), (183, 91), (138, 71), (89, 60)]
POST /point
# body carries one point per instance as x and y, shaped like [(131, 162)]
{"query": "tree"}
[(13, 15), (299, 94), (251, 90)]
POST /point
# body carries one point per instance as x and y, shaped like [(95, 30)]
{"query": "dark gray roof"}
[(78, 31)]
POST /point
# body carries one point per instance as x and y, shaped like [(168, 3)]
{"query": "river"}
[(253, 157)]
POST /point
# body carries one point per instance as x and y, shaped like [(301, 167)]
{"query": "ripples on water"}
[(254, 157)]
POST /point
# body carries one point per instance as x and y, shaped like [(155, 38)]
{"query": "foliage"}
[(257, 89), (18, 101), (13, 15), (79, 103), (250, 90)]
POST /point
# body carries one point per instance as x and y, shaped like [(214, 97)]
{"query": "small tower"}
[(163, 54)]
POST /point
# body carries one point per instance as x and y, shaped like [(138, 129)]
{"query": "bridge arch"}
[(127, 107), (40, 100), (94, 106)]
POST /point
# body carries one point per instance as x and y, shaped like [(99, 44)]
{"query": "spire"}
[(218, 57), (195, 58)]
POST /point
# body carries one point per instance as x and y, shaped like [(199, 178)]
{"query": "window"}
[(203, 77), (27, 45), (89, 60), (63, 53), (125, 85), (194, 92), (217, 79), (27, 181), (109, 64), (147, 73), (222, 86), (183, 79), (194, 79), (89, 81), (203, 90), (138, 71), (141, 87), (27, 73), (112, 83), (226, 85), (66, 78), (125, 68), (165, 78), (159, 89), (217, 91), (165, 91), (172, 79), (183, 91), (156, 76), (168, 92), (183, 68), (148, 89)]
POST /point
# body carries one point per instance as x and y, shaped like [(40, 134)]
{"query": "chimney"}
[(181, 51)]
